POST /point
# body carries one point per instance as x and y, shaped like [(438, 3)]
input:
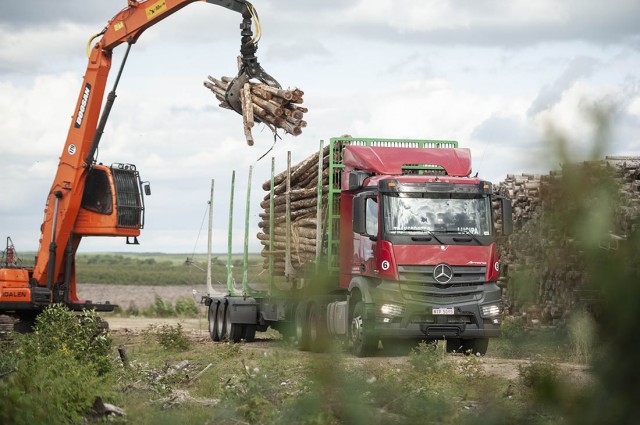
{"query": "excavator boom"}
[(87, 199)]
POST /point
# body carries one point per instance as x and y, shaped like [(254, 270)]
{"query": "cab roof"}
[(391, 160)]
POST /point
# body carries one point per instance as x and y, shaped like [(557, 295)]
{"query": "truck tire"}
[(249, 333), (234, 330), (318, 333), (302, 328), (475, 346), (221, 322), (213, 322), (362, 344)]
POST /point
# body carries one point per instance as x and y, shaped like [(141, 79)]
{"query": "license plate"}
[(442, 311)]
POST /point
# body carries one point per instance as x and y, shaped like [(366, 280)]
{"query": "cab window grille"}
[(128, 197)]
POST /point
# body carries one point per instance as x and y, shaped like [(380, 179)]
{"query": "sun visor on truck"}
[(391, 160)]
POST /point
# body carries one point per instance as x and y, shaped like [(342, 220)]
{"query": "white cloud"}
[(572, 117), (42, 48), (425, 16), (410, 69)]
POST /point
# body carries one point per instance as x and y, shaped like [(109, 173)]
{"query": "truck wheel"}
[(475, 346), (221, 324), (302, 329), (249, 333), (234, 330), (318, 334), (213, 322), (362, 345)]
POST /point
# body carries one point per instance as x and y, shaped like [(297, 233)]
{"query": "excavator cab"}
[(112, 202)]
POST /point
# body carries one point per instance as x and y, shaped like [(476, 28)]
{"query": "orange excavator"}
[(91, 199)]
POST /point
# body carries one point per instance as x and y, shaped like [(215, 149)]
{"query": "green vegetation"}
[(160, 269), (54, 374), (170, 337), (184, 307)]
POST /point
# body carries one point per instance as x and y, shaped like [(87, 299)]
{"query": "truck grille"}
[(417, 284)]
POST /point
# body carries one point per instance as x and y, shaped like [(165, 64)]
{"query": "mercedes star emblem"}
[(442, 274)]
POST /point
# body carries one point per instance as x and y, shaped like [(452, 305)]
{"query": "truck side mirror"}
[(507, 218), (147, 189), (358, 215)]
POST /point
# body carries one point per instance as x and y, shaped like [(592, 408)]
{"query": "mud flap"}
[(243, 310)]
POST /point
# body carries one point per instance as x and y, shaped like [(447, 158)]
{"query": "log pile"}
[(544, 252), (303, 210), (276, 108)]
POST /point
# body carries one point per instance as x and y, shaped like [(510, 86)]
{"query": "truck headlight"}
[(491, 310), (393, 310)]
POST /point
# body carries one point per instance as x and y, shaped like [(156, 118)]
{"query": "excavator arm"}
[(61, 233)]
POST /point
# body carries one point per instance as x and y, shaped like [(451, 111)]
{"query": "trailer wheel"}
[(302, 328), (221, 324), (362, 344), (213, 322), (234, 330), (318, 333)]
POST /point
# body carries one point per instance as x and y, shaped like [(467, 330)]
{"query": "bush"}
[(170, 337), (60, 368), (159, 308), (542, 377), (582, 334), (186, 307)]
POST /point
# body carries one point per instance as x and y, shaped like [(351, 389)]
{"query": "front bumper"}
[(413, 319)]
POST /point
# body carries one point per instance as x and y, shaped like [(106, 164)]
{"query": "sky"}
[(498, 76)]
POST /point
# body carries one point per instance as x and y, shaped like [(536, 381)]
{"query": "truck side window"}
[(371, 225)]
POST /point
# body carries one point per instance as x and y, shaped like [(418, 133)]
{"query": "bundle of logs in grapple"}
[(276, 108), (303, 212)]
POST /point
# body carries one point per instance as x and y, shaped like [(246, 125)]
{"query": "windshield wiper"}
[(435, 237), (429, 232), (466, 232), (460, 232)]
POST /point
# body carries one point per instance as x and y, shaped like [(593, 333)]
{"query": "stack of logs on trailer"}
[(303, 213), (275, 107), (558, 286)]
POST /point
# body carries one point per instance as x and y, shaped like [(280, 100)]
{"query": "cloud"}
[(578, 68), (19, 14), (495, 22), (574, 117), (492, 75), (45, 48)]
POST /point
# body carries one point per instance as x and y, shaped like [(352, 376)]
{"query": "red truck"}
[(409, 249)]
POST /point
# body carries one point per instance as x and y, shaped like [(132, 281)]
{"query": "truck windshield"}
[(411, 213)]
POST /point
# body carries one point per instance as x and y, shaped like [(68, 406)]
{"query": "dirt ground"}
[(197, 331), (141, 296)]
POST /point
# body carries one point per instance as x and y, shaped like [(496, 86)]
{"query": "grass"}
[(254, 384)]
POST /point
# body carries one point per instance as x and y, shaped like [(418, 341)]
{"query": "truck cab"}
[(420, 258)]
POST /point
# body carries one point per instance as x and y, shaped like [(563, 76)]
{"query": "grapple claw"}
[(232, 95), (249, 68)]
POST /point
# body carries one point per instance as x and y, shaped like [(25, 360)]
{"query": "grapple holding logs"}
[(274, 107), (253, 93)]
